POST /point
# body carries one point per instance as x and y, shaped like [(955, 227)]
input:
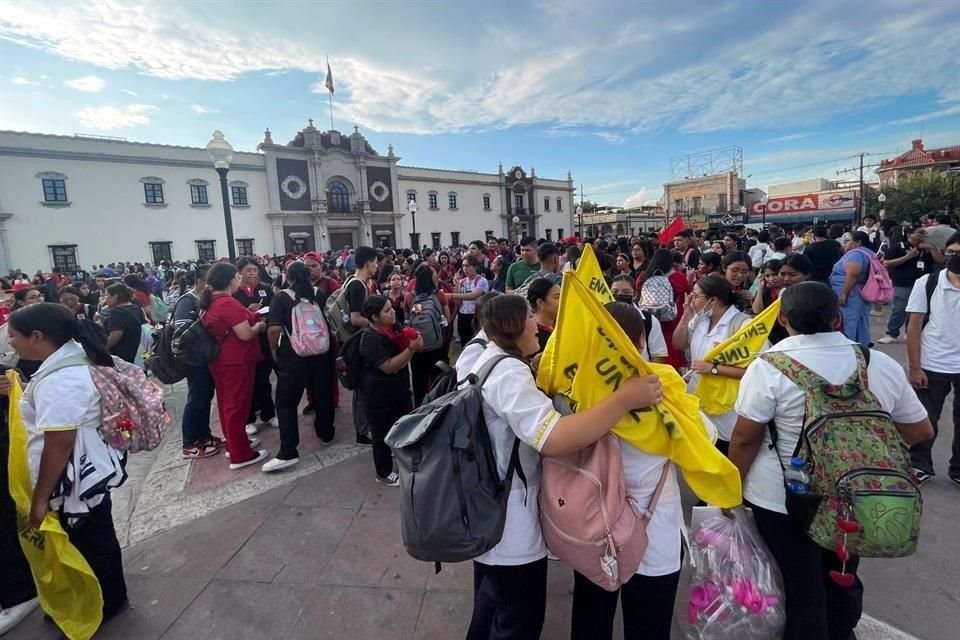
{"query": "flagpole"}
[(331, 110)]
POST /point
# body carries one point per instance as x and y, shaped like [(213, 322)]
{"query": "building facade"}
[(918, 159), (617, 221), (707, 200), (807, 201), (74, 201)]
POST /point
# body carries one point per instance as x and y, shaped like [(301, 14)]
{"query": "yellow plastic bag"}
[(69, 591), (588, 356), (718, 394)]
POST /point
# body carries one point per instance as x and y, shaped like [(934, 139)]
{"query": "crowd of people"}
[(675, 298)]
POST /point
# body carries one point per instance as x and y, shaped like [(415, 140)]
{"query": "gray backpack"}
[(454, 501), (428, 321)]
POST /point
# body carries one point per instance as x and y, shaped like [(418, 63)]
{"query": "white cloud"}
[(106, 118), (199, 108), (23, 81), (130, 93), (943, 113), (89, 84), (788, 138), (642, 197)]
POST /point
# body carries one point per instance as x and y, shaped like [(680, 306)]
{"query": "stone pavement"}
[(315, 552)]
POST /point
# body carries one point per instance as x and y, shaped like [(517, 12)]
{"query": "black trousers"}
[(196, 411), (933, 399), (423, 371), (817, 608), (465, 327), (647, 608), (262, 393), (381, 417), (295, 374), (359, 413), (16, 581), (509, 603), (96, 540)]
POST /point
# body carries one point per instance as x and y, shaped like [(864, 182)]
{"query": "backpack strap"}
[(479, 341), (647, 513), (78, 360), (932, 281)]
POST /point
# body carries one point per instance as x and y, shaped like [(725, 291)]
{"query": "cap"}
[(313, 255)]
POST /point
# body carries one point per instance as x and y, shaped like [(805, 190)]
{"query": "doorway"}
[(340, 239)]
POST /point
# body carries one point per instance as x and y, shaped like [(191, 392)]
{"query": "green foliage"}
[(921, 193)]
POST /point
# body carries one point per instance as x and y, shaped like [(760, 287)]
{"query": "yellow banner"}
[(588, 356), (69, 591), (591, 275), (718, 394)]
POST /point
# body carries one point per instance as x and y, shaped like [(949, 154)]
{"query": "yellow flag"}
[(69, 591), (591, 275), (588, 356), (718, 394)]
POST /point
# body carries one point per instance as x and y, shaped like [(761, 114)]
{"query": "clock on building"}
[(519, 174), (379, 191), (294, 187)]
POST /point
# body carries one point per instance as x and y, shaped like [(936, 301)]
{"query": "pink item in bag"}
[(878, 287), (588, 519)]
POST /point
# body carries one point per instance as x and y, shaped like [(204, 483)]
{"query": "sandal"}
[(199, 450)]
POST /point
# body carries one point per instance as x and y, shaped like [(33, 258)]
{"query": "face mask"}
[(953, 264), (624, 298)]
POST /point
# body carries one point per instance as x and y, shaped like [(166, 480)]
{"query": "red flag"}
[(671, 231), (329, 82)]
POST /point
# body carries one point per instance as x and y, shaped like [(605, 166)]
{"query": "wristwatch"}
[(715, 369)]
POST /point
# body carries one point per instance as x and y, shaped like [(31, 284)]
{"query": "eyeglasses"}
[(949, 253)]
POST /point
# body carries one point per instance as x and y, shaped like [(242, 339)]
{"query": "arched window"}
[(338, 198)]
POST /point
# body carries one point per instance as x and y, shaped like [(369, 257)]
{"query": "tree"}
[(919, 194), (588, 206)]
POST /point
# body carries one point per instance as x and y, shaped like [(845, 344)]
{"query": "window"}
[(411, 196), (549, 236), (432, 197), (160, 251), (239, 196), (54, 190), (560, 233), (207, 250), (65, 257), (455, 238), (678, 205), (546, 204), (452, 200), (245, 247), (153, 192), (722, 202), (435, 240), (697, 204), (338, 198), (518, 201), (198, 194), (559, 204), (486, 202)]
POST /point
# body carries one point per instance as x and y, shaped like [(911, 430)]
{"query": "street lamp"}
[(516, 227), (412, 208), (580, 219), (763, 212), (221, 152), (881, 199), (743, 214)]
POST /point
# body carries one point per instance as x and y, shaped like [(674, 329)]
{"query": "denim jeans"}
[(898, 315), (196, 411), (933, 398)]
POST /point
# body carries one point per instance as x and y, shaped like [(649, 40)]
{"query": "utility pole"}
[(861, 205)]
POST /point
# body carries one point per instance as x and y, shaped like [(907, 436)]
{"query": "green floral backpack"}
[(863, 499)]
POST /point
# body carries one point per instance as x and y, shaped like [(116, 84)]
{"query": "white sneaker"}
[(252, 429), (254, 442), (9, 618), (392, 480), (261, 455), (273, 422), (887, 339), (277, 464)]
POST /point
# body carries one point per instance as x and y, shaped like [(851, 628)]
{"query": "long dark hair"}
[(716, 286), (219, 278), (809, 307), (661, 261), (298, 279), (138, 283), (504, 321), (423, 279), (58, 325)]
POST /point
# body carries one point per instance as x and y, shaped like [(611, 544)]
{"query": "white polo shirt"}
[(468, 357), (940, 340), (766, 394), (514, 407)]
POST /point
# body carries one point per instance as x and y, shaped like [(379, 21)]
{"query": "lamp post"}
[(516, 227), (881, 199), (743, 214), (412, 208), (580, 220), (763, 213), (221, 152)]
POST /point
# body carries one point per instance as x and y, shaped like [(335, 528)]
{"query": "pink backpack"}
[(588, 519), (132, 407), (309, 335), (878, 287)]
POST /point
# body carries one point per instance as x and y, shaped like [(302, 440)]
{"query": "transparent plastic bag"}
[(736, 592)]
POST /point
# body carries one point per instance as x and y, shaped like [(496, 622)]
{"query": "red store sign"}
[(807, 203)]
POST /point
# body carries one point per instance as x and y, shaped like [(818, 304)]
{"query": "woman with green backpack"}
[(822, 453)]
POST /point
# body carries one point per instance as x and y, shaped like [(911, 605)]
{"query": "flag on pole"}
[(671, 231), (329, 81)]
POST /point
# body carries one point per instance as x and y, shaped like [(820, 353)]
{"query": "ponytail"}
[(93, 339)]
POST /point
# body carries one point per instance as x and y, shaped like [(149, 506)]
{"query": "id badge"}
[(263, 294), (920, 265)]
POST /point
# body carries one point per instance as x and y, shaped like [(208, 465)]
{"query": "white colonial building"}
[(76, 201)]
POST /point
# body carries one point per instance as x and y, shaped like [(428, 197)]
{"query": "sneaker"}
[(887, 339), (277, 464), (876, 313), (254, 442), (214, 441), (364, 440), (955, 480), (307, 410), (252, 429), (199, 450), (12, 616), (922, 476), (392, 480), (259, 456), (273, 422)]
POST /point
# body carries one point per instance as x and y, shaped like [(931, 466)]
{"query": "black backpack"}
[(192, 344), (349, 365), (166, 367), (454, 501), (447, 380)]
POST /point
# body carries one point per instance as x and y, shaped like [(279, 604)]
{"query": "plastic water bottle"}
[(796, 477)]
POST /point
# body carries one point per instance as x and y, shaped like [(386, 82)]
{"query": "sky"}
[(610, 91)]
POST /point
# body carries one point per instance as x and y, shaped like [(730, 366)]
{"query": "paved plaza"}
[(315, 552)]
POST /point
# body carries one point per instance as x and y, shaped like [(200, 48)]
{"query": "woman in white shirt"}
[(61, 413), (710, 317), (649, 596), (510, 580), (817, 608)]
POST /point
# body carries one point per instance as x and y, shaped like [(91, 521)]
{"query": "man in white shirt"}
[(817, 608), (933, 352), (873, 231)]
